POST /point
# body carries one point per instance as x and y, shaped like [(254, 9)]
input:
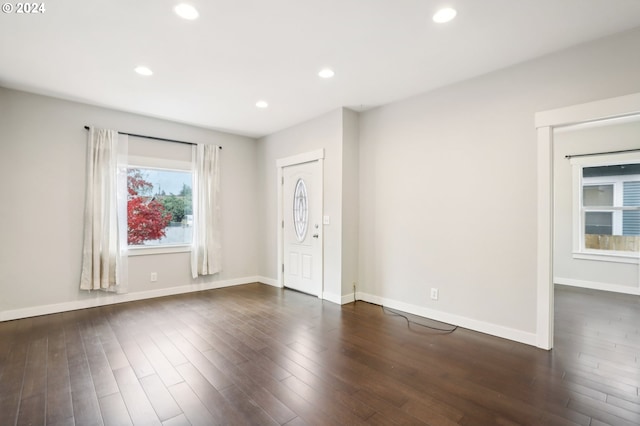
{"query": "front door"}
[(302, 213)]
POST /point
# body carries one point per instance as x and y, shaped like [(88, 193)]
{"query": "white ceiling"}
[(210, 72)]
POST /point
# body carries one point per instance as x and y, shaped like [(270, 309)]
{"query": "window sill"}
[(152, 250), (605, 256)]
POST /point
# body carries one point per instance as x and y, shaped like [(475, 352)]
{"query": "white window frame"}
[(159, 164), (578, 163)]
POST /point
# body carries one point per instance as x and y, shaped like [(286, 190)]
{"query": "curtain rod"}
[(154, 138), (568, 157)]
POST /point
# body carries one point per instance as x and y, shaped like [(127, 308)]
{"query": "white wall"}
[(447, 192), (448, 186), (350, 202), (567, 270), (42, 172)]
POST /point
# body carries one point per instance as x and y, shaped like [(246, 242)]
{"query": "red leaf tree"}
[(146, 216)]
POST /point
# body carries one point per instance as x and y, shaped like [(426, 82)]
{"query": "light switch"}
[(326, 220)]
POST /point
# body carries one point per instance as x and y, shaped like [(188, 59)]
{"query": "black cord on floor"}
[(388, 311)]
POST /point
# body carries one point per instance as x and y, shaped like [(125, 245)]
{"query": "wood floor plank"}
[(32, 410), (194, 410), (196, 359), (164, 369), (254, 354), (59, 405), (34, 381), (101, 372), (331, 404), (210, 396), (9, 406), (160, 397), (173, 355), (247, 407), (180, 420), (114, 411), (252, 387), (136, 359), (138, 405), (86, 409)]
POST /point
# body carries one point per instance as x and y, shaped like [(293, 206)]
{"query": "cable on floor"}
[(388, 311)]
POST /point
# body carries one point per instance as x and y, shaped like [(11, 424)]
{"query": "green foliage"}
[(174, 205), (185, 191)]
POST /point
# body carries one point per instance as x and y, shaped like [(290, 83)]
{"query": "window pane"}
[(630, 223), (610, 197), (159, 208), (300, 210), (631, 193), (597, 195), (615, 170), (600, 223)]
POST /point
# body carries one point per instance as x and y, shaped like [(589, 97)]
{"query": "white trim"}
[(604, 256), (544, 314), (347, 298), (546, 121), (594, 285), (469, 323), (160, 249), (331, 297), (605, 160), (582, 113), (269, 281), (306, 157), (103, 299)]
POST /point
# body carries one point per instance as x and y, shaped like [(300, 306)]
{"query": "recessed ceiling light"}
[(262, 104), (326, 73), (143, 71), (444, 15), (186, 11)]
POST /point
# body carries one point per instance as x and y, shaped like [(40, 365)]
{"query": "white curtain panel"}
[(206, 251), (104, 255)]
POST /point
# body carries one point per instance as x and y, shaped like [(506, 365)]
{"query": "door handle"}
[(315, 235)]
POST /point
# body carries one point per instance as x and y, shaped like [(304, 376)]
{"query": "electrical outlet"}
[(434, 294), (154, 277)]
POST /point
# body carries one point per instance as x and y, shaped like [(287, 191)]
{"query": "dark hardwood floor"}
[(257, 355)]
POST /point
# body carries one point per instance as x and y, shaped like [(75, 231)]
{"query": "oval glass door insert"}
[(300, 210)]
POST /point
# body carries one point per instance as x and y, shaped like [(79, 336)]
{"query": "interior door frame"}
[(546, 122), (307, 157)]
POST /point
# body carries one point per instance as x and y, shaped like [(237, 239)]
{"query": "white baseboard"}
[(331, 297), (103, 299), (269, 281), (469, 323), (347, 298), (594, 285)]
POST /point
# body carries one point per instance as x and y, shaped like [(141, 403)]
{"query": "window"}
[(300, 210), (160, 214), (607, 206), (159, 207)]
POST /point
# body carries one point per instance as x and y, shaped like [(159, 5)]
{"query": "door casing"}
[(546, 122)]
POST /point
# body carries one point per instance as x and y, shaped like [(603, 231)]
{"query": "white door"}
[(302, 234)]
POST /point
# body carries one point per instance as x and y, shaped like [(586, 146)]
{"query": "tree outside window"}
[(155, 217)]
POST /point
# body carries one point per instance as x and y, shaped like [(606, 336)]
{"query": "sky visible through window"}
[(168, 181)]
